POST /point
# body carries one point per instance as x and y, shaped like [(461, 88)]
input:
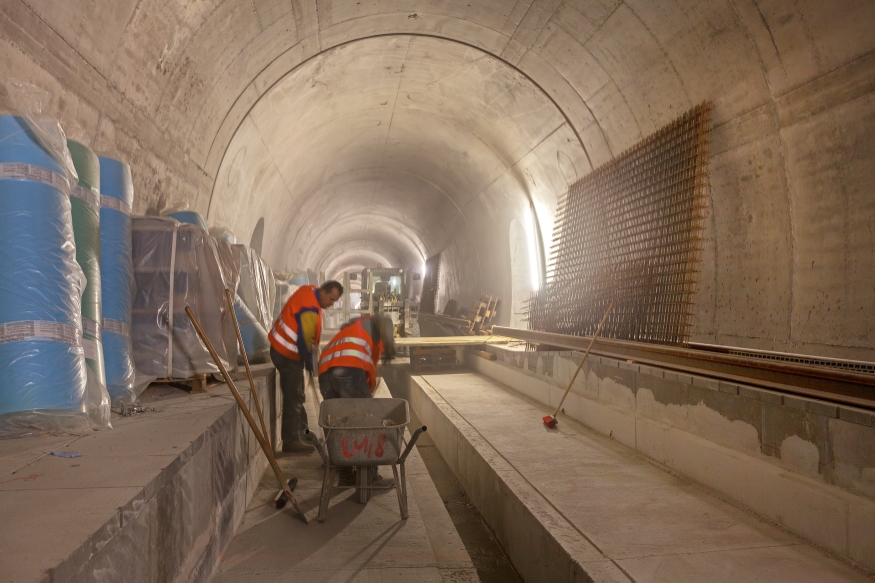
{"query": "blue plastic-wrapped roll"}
[(42, 362), (116, 272), (255, 341), (300, 279), (190, 217)]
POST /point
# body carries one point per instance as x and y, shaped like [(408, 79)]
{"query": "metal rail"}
[(820, 382), (841, 363)]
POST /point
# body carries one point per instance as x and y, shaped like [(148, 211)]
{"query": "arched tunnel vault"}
[(170, 86), (403, 146)]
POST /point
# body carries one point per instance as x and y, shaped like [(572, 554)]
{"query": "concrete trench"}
[(549, 536), (333, 135), (184, 495)]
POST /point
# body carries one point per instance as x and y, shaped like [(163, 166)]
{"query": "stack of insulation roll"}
[(85, 211), (42, 362), (186, 216), (116, 200), (254, 336), (223, 234)]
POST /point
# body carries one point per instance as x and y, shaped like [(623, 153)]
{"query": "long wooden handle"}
[(245, 410), (580, 366), (264, 433)]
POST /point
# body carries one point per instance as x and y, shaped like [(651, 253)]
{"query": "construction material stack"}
[(85, 211), (178, 265), (42, 362), (255, 302), (116, 200)]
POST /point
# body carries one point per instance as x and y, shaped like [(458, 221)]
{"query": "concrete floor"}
[(651, 525), (356, 542), (486, 553)]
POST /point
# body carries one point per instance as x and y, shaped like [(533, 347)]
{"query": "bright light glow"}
[(533, 250), (423, 269)]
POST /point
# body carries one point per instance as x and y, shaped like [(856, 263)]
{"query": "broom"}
[(550, 420)]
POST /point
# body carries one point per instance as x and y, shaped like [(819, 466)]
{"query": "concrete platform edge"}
[(824, 515), (177, 526), (540, 542)]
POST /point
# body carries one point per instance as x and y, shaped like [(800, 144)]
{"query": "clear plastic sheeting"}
[(185, 215), (230, 268), (30, 102), (223, 234), (302, 278), (169, 255), (284, 291), (257, 288), (254, 335), (43, 380), (116, 200), (85, 207)]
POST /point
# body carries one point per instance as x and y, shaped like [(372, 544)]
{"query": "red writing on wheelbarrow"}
[(370, 447)]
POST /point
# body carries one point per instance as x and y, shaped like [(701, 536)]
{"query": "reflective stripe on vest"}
[(284, 334), (286, 344), (352, 352), (289, 332), (352, 339), (353, 347)]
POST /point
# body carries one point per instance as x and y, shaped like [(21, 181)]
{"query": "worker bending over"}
[(348, 368), (293, 338)]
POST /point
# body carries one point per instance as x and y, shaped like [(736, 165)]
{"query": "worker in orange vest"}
[(294, 338), (348, 368)]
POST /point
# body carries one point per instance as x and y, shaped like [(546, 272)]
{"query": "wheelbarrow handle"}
[(317, 443), (411, 443)]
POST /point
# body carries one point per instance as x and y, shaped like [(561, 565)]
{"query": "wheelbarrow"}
[(364, 433)]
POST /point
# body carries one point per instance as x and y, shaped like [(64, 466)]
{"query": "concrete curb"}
[(176, 527), (542, 544)]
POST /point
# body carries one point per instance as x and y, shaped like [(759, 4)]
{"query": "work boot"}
[(381, 482), (297, 447)]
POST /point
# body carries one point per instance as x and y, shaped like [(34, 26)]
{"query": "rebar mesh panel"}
[(430, 285), (631, 232)]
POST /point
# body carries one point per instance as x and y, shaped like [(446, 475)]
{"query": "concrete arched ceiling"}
[(387, 144), (173, 86)]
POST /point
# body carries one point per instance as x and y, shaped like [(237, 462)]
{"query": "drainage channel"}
[(486, 553)]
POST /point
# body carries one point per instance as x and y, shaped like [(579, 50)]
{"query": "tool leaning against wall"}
[(265, 446)]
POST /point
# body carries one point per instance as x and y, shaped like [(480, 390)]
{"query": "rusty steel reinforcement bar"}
[(840, 386)]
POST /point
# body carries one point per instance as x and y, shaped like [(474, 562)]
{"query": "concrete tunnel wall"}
[(444, 121)]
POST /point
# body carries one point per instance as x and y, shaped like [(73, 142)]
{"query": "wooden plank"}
[(459, 341), (482, 354), (451, 340)]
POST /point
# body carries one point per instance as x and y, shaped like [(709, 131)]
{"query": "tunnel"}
[(389, 132), (339, 135)]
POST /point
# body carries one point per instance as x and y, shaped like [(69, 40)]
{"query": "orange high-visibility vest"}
[(352, 346), (284, 334)]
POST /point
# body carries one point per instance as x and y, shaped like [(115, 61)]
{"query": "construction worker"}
[(348, 369), (293, 339)]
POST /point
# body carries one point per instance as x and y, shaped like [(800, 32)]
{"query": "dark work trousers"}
[(344, 382), (292, 386)]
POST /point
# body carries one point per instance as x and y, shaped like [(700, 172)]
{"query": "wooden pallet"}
[(484, 311), (198, 383)]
